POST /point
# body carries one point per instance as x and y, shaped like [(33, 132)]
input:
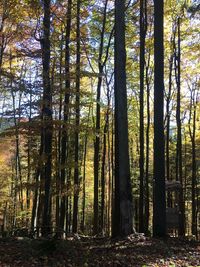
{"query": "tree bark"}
[(64, 138), (47, 118), (192, 132), (103, 173), (123, 210), (142, 72), (77, 104), (101, 65), (159, 203), (179, 133), (147, 211)]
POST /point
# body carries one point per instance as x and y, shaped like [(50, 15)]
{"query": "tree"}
[(168, 111), (46, 117), (179, 171), (64, 138), (76, 168), (101, 65), (192, 133), (143, 27), (159, 204), (147, 190), (122, 224)]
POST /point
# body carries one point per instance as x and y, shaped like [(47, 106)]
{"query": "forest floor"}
[(99, 252)]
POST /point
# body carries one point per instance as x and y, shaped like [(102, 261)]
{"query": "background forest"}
[(57, 114)]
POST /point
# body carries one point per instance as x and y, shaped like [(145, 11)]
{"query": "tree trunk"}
[(147, 211), (77, 104), (64, 139), (168, 113), (142, 68), (159, 204), (47, 118), (98, 122), (168, 118), (103, 174), (141, 159), (58, 150), (30, 140), (179, 134), (122, 224), (192, 132)]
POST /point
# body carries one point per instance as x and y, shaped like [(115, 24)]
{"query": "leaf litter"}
[(99, 252)]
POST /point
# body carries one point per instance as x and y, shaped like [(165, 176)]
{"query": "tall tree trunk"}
[(14, 199), (141, 159), (109, 191), (29, 161), (147, 211), (58, 154), (77, 104), (123, 210), (109, 182), (69, 203), (142, 68), (101, 65), (179, 133), (159, 204), (47, 118), (168, 118), (192, 132), (64, 139), (168, 114), (194, 176), (103, 174)]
